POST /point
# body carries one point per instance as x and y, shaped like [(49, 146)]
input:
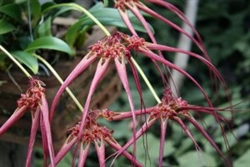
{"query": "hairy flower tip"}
[(135, 42), (121, 4), (169, 106), (110, 47), (33, 95), (168, 98), (109, 115), (92, 131), (117, 45)]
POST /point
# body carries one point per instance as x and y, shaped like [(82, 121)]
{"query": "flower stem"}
[(60, 80), (81, 9), (16, 62), (146, 81)]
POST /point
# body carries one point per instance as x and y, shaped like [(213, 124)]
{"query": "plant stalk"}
[(16, 62), (60, 80)]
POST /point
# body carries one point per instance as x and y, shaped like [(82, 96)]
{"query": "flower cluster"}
[(119, 48), (34, 100)]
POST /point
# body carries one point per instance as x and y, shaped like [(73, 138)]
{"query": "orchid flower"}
[(119, 48), (170, 109), (34, 100), (136, 6), (93, 133)]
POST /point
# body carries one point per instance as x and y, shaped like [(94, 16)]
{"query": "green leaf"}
[(243, 161), (35, 8), (61, 8), (27, 59), (152, 149), (73, 33), (44, 29), (111, 16), (5, 27), (11, 10), (49, 42), (195, 158), (105, 2)]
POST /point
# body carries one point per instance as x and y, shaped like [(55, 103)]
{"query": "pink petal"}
[(46, 130), (125, 18), (154, 56), (185, 19), (128, 114), (18, 113), (83, 154), (137, 83), (100, 150), (34, 128), (81, 66), (158, 16), (100, 71), (172, 49), (164, 124), (121, 69), (64, 150)]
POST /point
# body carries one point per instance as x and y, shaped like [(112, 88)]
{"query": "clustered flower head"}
[(33, 95), (34, 100), (93, 133)]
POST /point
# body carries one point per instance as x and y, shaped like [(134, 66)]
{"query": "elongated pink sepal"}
[(100, 150), (46, 130), (100, 71), (81, 66), (121, 69), (33, 132), (18, 113), (84, 150)]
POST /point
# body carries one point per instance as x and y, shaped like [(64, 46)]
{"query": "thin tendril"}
[(16, 62), (81, 9)]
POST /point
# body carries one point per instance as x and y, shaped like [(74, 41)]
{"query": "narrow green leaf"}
[(5, 27), (60, 9), (111, 16), (27, 59), (35, 8), (105, 2), (44, 29), (12, 10), (35, 11), (73, 33), (49, 42)]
